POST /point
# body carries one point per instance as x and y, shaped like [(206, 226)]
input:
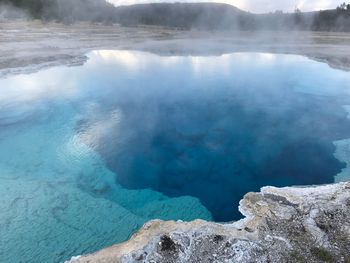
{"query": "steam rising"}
[(261, 6), (10, 12), (203, 16)]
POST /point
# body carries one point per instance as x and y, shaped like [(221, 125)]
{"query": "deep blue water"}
[(90, 153), (217, 135)]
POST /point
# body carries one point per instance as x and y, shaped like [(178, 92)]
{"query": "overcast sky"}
[(258, 6)]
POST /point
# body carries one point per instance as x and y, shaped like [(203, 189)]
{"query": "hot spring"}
[(90, 153)]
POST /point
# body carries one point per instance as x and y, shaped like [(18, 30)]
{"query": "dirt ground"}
[(29, 46)]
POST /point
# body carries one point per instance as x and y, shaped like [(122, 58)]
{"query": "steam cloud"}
[(204, 16), (259, 6)]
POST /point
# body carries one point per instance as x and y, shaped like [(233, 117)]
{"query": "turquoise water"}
[(90, 153)]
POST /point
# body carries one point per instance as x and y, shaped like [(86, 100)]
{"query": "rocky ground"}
[(29, 46), (281, 225)]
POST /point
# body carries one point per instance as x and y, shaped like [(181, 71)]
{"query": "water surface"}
[(90, 153)]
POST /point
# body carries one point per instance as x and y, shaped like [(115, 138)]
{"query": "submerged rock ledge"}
[(291, 224)]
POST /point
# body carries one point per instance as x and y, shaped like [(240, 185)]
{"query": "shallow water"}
[(90, 153)]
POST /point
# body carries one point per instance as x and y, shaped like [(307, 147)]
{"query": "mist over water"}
[(90, 153)]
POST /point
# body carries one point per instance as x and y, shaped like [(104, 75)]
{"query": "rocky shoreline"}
[(292, 224), (28, 46)]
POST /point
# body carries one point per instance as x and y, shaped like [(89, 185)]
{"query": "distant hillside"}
[(227, 17), (332, 20), (65, 10), (185, 15), (205, 16)]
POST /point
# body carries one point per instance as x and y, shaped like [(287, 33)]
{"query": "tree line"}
[(208, 16), (67, 11)]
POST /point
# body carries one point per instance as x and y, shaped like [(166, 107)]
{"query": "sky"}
[(257, 6)]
